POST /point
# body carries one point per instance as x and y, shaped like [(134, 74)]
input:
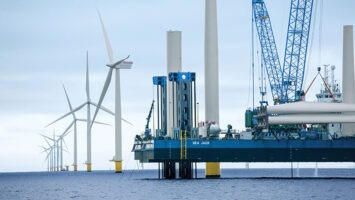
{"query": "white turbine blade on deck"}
[(73, 111), (87, 77), (68, 100), (107, 41)]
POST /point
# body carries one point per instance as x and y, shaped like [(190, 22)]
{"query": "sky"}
[(44, 44)]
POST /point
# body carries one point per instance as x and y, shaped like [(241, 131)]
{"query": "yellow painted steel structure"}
[(118, 166), (213, 170), (88, 167)]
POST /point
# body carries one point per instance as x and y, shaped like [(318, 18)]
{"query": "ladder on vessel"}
[(183, 144)]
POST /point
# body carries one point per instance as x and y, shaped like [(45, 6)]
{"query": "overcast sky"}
[(43, 45)]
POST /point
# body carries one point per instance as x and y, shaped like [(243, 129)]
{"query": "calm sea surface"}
[(143, 184)]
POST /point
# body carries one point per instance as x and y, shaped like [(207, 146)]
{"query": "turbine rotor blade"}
[(68, 100), (66, 132), (127, 122), (73, 111), (66, 147), (116, 64), (87, 77), (110, 112), (46, 137), (96, 122), (66, 150), (107, 41), (104, 90), (50, 146), (103, 108)]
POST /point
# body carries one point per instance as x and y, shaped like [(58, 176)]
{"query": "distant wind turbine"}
[(121, 64)]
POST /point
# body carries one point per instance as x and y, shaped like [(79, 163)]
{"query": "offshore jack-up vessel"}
[(263, 141), (290, 131)]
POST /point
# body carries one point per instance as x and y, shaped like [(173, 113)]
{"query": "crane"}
[(285, 82), (147, 129)]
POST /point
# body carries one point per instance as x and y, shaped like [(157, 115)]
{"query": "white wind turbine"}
[(121, 64), (88, 120)]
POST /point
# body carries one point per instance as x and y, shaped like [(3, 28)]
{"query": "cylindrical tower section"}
[(173, 65), (211, 63), (348, 129), (211, 75)]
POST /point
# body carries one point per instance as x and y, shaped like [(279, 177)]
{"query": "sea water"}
[(144, 184)]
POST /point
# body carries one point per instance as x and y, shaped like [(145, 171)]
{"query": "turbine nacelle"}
[(121, 64)]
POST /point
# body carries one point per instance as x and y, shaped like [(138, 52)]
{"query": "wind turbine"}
[(88, 120), (121, 64)]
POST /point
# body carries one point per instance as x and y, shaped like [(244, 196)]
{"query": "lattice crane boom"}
[(296, 49), (268, 47), (285, 82)]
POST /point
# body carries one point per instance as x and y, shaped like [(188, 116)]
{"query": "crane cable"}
[(325, 84), (312, 37)]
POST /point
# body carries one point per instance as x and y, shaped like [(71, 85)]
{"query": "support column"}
[(213, 170), (169, 170), (185, 169)]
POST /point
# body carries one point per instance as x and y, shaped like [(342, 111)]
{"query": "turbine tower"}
[(121, 64)]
